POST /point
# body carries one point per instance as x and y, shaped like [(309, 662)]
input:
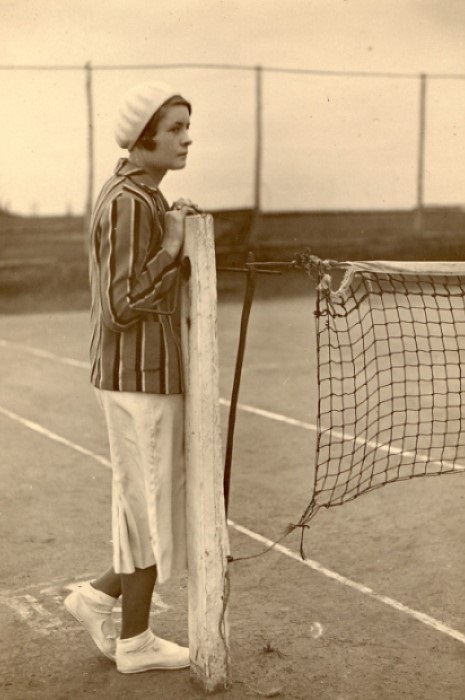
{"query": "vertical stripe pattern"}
[(135, 319)]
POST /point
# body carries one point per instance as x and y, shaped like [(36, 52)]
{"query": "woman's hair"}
[(150, 131)]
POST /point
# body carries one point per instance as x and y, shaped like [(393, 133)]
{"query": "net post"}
[(207, 537)]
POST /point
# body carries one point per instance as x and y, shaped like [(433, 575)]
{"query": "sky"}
[(329, 142)]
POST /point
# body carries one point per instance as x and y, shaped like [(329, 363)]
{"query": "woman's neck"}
[(137, 158)]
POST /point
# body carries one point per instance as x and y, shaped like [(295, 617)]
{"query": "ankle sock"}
[(137, 642), (98, 599)]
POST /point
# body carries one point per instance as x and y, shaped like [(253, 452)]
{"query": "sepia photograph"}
[(232, 298)]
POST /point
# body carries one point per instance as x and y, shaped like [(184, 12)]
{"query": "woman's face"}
[(172, 140)]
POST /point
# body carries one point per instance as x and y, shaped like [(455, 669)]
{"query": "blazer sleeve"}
[(136, 273)]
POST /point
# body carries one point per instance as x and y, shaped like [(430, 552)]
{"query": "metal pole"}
[(419, 214), (90, 147), (247, 305)]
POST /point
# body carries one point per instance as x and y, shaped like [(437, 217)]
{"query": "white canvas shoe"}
[(92, 609), (150, 653)]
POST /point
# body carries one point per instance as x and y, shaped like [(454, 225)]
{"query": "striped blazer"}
[(135, 319)]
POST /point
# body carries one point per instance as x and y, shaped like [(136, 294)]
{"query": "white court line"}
[(44, 621), (53, 436), (43, 354), (25, 606), (19, 607), (271, 415), (392, 449), (316, 566), (35, 605), (389, 449), (246, 408), (85, 365)]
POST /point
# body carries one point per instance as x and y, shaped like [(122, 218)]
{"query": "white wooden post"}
[(206, 519)]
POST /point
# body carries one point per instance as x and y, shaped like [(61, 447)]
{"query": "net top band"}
[(406, 268)]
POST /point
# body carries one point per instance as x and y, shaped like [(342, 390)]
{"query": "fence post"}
[(251, 237), (419, 212), (206, 519), (258, 137), (90, 147)]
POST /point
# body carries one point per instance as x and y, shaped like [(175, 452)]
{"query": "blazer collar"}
[(140, 176)]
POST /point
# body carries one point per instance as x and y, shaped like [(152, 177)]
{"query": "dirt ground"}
[(296, 632)]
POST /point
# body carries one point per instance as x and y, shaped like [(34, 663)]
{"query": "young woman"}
[(136, 240)]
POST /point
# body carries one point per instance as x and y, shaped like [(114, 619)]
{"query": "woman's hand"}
[(174, 224), (187, 206)]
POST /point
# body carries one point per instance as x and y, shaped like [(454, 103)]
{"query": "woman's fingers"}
[(182, 203)]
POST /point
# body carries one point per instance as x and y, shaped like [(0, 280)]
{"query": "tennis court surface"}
[(376, 611)]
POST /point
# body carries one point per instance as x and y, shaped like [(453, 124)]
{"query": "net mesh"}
[(391, 365)]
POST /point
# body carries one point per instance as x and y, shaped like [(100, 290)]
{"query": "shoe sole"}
[(67, 604), (142, 669)]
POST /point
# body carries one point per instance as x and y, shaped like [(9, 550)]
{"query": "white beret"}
[(136, 109)]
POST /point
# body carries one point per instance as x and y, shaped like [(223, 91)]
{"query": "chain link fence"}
[(270, 138)]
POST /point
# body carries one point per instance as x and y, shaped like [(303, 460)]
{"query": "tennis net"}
[(391, 366)]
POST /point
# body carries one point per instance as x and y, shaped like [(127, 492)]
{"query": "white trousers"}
[(146, 436)]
